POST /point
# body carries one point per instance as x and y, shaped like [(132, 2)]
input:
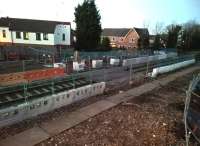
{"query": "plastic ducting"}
[(172, 67)]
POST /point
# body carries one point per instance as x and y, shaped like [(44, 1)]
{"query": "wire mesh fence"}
[(47, 81), (191, 111)]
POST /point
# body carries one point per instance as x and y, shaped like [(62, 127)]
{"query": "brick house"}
[(128, 38)]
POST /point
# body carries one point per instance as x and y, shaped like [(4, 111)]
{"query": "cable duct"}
[(172, 67)]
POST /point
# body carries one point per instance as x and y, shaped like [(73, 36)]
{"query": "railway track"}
[(21, 93)]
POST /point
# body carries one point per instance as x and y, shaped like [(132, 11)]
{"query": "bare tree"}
[(146, 24), (159, 28)]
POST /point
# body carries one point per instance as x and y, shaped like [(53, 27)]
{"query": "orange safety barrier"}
[(29, 76), (43, 74)]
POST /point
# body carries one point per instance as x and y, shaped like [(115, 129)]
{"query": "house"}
[(129, 38), (26, 33), (143, 41)]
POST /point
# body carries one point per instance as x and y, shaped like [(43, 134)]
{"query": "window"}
[(113, 39), (67, 95), (25, 34), (57, 99), (45, 36), (4, 33), (18, 35), (38, 36), (63, 37)]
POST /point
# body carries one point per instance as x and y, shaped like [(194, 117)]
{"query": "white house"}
[(29, 32)]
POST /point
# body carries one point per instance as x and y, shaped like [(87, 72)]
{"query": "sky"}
[(114, 13)]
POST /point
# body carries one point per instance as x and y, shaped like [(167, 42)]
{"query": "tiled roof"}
[(30, 25), (119, 32), (142, 32)]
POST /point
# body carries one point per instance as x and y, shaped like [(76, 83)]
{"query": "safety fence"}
[(192, 112)]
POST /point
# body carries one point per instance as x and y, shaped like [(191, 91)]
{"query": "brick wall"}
[(130, 41)]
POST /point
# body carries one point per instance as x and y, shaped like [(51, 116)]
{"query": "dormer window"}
[(4, 33)]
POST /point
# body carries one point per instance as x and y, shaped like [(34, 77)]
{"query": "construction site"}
[(118, 99)]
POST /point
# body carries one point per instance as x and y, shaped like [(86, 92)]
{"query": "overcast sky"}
[(114, 13)]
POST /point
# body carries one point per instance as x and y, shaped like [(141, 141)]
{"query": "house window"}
[(63, 37), (25, 34), (113, 39), (4, 33), (18, 35), (45, 36), (38, 36)]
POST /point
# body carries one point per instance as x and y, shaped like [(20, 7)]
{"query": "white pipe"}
[(144, 59), (172, 67)]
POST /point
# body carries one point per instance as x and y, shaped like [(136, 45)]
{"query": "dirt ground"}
[(153, 119)]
